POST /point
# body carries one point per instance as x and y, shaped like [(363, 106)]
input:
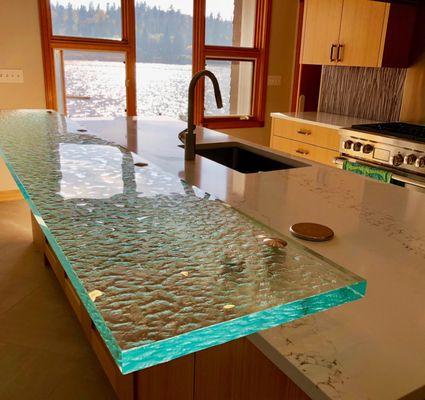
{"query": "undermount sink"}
[(246, 159)]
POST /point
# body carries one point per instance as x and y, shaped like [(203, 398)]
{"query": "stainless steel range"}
[(396, 146)]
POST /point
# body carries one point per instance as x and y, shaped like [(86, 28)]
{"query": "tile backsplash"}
[(370, 93)]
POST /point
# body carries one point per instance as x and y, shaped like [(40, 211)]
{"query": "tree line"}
[(162, 36)]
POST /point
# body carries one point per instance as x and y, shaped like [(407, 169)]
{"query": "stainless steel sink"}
[(246, 159)]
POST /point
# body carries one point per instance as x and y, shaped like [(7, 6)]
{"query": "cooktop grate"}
[(397, 129)]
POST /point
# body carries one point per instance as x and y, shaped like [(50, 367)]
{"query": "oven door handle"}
[(339, 161)]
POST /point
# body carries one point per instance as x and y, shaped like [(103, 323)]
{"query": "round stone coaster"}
[(312, 232)]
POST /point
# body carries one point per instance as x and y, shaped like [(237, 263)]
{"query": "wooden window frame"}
[(126, 45), (258, 54)]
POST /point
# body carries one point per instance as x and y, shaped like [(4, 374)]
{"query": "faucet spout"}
[(190, 140)]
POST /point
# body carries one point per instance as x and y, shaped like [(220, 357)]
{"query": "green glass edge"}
[(201, 339)]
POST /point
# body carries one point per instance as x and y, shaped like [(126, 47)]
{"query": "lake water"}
[(161, 89)]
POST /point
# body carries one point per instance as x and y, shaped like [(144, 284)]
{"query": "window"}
[(239, 56), (95, 51), (236, 78), (238, 18), (89, 56), (164, 57), (84, 94), (94, 19)]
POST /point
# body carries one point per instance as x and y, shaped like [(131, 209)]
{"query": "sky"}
[(224, 7)]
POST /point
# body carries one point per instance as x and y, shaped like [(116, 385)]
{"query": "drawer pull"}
[(304, 132), (331, 57), (339, 54), (303, 152)]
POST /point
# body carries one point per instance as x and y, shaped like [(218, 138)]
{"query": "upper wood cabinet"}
[(362, 30), (322, 21), (361, 33)]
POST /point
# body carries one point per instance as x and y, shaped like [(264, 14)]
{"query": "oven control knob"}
[(397, 160), (367, 148), (410, 159), (420, 162), (348, 144), (357, 146)]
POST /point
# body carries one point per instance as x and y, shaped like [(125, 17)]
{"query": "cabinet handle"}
[(339, 53), (332, 58), (303, 152), (304, 132)]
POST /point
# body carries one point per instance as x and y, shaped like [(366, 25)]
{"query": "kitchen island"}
[(372, 236)]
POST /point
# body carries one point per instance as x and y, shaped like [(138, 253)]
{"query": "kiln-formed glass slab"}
[(171, 270)]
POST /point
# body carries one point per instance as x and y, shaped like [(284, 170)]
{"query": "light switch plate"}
[(11, 76), (274, 80)]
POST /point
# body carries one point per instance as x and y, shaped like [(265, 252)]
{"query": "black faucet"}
[(189, 133)]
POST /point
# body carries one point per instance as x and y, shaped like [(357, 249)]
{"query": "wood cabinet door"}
[(362, 36), (322, 19), (238, 370)]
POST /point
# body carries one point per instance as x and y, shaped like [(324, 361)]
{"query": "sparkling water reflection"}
[(161, 89)]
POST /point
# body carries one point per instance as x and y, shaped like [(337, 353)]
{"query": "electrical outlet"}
[(274, 80), (11, 76)]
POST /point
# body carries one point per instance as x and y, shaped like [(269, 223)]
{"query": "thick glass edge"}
[(166, 350)]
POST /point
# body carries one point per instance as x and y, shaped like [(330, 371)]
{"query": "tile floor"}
[(43, 352)]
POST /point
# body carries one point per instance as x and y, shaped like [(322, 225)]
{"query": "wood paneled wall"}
[(371, 93)]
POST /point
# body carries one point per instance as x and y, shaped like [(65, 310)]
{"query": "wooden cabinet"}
[(309, 141), (304, 150), (307, 133), (239, 371), (322, 20), (362, 28), (361, 33)]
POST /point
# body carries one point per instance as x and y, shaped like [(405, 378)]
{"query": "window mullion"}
[(198, 55), (258, 54)]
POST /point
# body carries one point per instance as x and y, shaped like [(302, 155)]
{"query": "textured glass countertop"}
[(171, 269)]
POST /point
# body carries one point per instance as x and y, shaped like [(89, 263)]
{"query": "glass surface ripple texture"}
[(176, 270)]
